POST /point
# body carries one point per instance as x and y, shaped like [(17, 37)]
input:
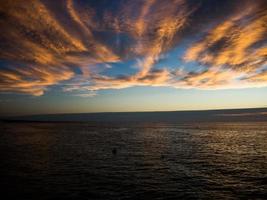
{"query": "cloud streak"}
[(70, 43)]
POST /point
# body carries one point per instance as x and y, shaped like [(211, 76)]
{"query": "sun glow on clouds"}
[(72, 44)]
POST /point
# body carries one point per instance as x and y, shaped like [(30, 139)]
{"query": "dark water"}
[(152, 161)]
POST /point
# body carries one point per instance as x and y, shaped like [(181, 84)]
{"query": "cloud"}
[(33, 81), (71, 43), (231, 42), (40, 50), (87, 94), (237, 44)]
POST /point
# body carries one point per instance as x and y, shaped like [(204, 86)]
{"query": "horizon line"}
[(156, 111)]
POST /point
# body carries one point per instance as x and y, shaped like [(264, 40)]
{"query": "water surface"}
[(152, 161)]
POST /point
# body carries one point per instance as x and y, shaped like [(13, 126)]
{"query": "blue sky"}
[(144, 55)]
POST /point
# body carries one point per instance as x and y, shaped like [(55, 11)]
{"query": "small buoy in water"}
[(114, 151)]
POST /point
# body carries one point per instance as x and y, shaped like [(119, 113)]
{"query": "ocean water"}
[(134, 161)]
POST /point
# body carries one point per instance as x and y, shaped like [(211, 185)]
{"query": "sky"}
[(72, 56)]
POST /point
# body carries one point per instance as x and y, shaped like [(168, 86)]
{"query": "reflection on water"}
[(199, 161)]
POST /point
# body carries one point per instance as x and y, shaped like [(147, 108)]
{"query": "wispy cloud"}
[(44, 43), (237, 45), (87, 94)]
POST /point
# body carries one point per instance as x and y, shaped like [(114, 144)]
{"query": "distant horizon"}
[(182, 116), (145, 111)]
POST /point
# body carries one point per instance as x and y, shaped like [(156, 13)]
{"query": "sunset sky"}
[(66, 56)]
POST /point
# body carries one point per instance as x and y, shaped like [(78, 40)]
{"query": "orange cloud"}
[(36, 39), (44, 47), (231, 42), (233, 45), (34, 81)]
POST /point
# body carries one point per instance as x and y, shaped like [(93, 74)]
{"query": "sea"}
[(80, 160)]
